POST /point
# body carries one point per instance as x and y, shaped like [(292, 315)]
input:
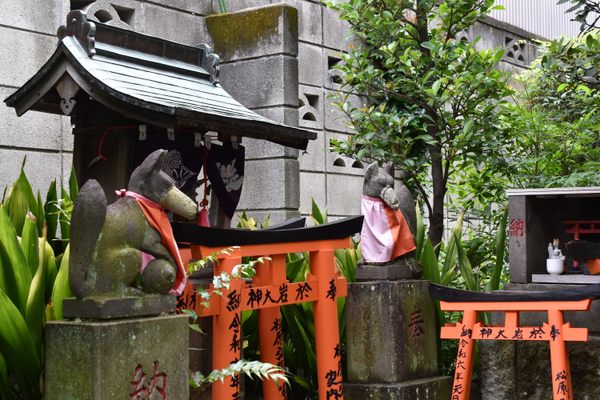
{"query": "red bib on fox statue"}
[(157, 218), (385, 234)]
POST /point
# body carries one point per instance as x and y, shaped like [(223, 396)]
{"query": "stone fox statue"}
[(385, 233), (127, 248)]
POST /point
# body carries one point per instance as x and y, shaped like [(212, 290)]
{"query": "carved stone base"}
[(436, 388), (404, 268), (111, 308), (137, 358)]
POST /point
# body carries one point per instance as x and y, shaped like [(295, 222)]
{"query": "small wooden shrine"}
[(129, 94)]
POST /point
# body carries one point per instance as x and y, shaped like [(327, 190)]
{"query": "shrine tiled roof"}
[(146, 78)]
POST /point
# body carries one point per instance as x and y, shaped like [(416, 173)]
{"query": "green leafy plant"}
[(430, 98), (33, 283), (456, 266)]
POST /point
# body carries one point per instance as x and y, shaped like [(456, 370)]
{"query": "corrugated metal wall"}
[(542, 17)]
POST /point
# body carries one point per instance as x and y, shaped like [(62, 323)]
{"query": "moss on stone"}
[(248, 29)]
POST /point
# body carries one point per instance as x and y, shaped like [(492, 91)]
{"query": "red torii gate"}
[(270, 290)]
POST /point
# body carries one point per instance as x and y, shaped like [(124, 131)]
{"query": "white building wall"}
[(542, 17)]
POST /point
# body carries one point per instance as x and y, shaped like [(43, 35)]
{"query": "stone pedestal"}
[(89, 360), (391, 341)]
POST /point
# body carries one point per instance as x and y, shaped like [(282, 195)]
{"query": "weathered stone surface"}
[(271, 184), (335, 31), (196, 7), (255, 32), (23, 54), (98, 360), (111, 308), (332, 59), (262, 82), (313, 187), (343, 194), (310, 56), (275, 215), (167, 24), (27, 131), (309, 20), (313, 158), (39, 16), (496, 372), (41, 168), (404, 268), (238, 5), (523, 372), (437, 388), (390, 331)]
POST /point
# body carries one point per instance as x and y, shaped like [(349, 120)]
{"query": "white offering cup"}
[(554, 266)]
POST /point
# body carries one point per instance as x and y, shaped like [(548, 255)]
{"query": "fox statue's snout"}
[(113, 246)]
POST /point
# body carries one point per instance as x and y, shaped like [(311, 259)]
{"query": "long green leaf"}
[(73, 186), (51, 269), (17, 347), (40, 215), (65, 224), (19, 200), (466, 270), (61, 285), (451, 253), (36, 302), (500, 249), (13, 264), (29, 243), (51, 212), (319, 217), (5, 390), (420, 234), (431, 267)]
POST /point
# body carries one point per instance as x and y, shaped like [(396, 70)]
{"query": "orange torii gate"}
[(556, 332), (270, 290)]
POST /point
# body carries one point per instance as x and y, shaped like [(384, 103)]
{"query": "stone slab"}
[(41, 168), (262, 82), (111, 308), (437, 388), (405, 268), (343, 194), (574, 279), (336, 32), (167, 24), (335, 119), (313, 188), (521, 370), (309, 20), (34, 15), (271, 184), (100, 360), (255, 32), (23, 53), (390, 332), (313, 158), (310, 56)]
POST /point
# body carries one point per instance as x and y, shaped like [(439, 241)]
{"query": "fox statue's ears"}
[(151, 165)]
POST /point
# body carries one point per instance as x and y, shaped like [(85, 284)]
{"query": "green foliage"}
[(431, 97), (249, 368), (556, 116), (30, 284), (587, 12), (458, 265)]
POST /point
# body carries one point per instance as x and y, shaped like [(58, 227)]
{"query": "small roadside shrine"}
[(128, 95)]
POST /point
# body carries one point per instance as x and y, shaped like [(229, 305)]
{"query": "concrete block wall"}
[(27, 39)]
